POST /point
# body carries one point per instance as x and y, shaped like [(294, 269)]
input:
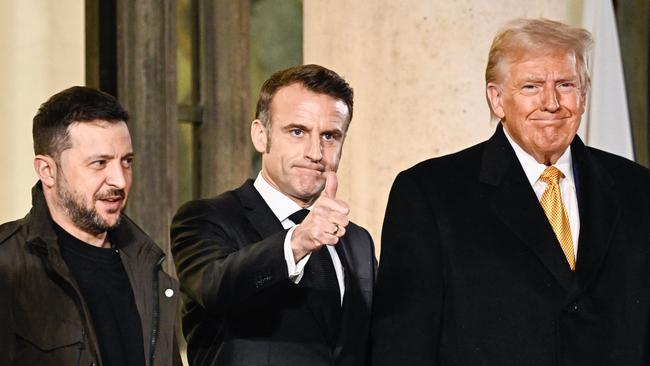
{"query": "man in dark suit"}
[(273, 271), (529, 248)]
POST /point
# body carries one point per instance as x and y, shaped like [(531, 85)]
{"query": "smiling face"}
[(307, 134), (93, 178), (540, 102)]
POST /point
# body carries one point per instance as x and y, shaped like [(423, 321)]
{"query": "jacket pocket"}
[(49, 341)]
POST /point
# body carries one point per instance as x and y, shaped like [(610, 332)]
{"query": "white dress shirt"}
[(533, 170), (282, 206)]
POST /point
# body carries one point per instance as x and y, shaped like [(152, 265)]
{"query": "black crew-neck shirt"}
[(106, 289)]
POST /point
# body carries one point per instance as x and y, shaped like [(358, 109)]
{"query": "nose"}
[(314, 150), (550, 100), (116, 175)]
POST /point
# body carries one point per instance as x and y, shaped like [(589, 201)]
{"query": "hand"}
[(324, 225)]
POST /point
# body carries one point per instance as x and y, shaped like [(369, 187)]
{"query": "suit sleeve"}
[(409, 292), (214, 267)]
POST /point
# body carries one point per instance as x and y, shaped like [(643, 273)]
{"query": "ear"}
[(259, 136), (495, 97), (45, 168)]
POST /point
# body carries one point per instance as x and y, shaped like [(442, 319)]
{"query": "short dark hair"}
[(76, 104), (315, 78)]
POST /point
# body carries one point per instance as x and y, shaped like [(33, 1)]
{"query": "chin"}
[(306, 195), (111, 219), (309, 186)]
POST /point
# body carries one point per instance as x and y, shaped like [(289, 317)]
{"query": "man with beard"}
[(80, 283)]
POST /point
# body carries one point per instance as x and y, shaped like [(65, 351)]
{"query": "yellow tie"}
[(552, 203)]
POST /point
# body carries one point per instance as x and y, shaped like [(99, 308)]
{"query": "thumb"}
[(331, 184)]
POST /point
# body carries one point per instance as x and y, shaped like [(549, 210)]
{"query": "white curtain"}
[(606, 123)]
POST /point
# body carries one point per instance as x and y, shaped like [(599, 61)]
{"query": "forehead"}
[(297, 100), (99, 135), (539, 63)]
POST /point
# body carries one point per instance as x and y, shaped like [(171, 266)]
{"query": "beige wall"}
[(41, 52), (417, 68)]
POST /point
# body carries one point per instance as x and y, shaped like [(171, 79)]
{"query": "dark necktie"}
[(320, 276), (298, 216)]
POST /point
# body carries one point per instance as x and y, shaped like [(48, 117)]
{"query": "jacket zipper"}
[(156, 313), (81, 347)]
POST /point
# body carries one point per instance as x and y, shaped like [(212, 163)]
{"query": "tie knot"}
[(299, 215), (551, 175)]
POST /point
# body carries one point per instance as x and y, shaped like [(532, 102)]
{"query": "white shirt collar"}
[(281, 205), (533, 169)]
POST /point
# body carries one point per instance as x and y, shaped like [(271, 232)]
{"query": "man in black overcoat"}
[(529, 248)]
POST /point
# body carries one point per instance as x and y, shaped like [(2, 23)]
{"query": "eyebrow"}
[(535, 78), (108, 156), (296, 125)]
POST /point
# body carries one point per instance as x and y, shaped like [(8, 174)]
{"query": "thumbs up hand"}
[(325, 224)]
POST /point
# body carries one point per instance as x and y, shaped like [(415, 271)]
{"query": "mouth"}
[(112, 200), (316, 170), (550, 119)]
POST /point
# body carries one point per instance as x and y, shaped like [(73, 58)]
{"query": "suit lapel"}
[(257, 211), (514, 202), (358, 266), (599, 212)]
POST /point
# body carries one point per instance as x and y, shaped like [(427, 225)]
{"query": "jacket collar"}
[(127, 236), (41, 226)]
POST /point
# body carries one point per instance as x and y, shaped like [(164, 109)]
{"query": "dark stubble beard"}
[(86, 219)]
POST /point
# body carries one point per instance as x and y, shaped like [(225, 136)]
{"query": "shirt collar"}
[(281, 205), (533, 169)]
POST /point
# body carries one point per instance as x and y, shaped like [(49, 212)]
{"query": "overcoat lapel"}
[(599, 213), (514, 202)]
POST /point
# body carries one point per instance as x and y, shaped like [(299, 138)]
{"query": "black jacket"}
[(241, 307), (43, 317), (472, 274)]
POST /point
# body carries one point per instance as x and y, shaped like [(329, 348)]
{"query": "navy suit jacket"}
[(240, 306), (471, 272)]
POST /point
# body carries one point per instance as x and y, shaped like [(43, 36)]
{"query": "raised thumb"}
[(331, 184)]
